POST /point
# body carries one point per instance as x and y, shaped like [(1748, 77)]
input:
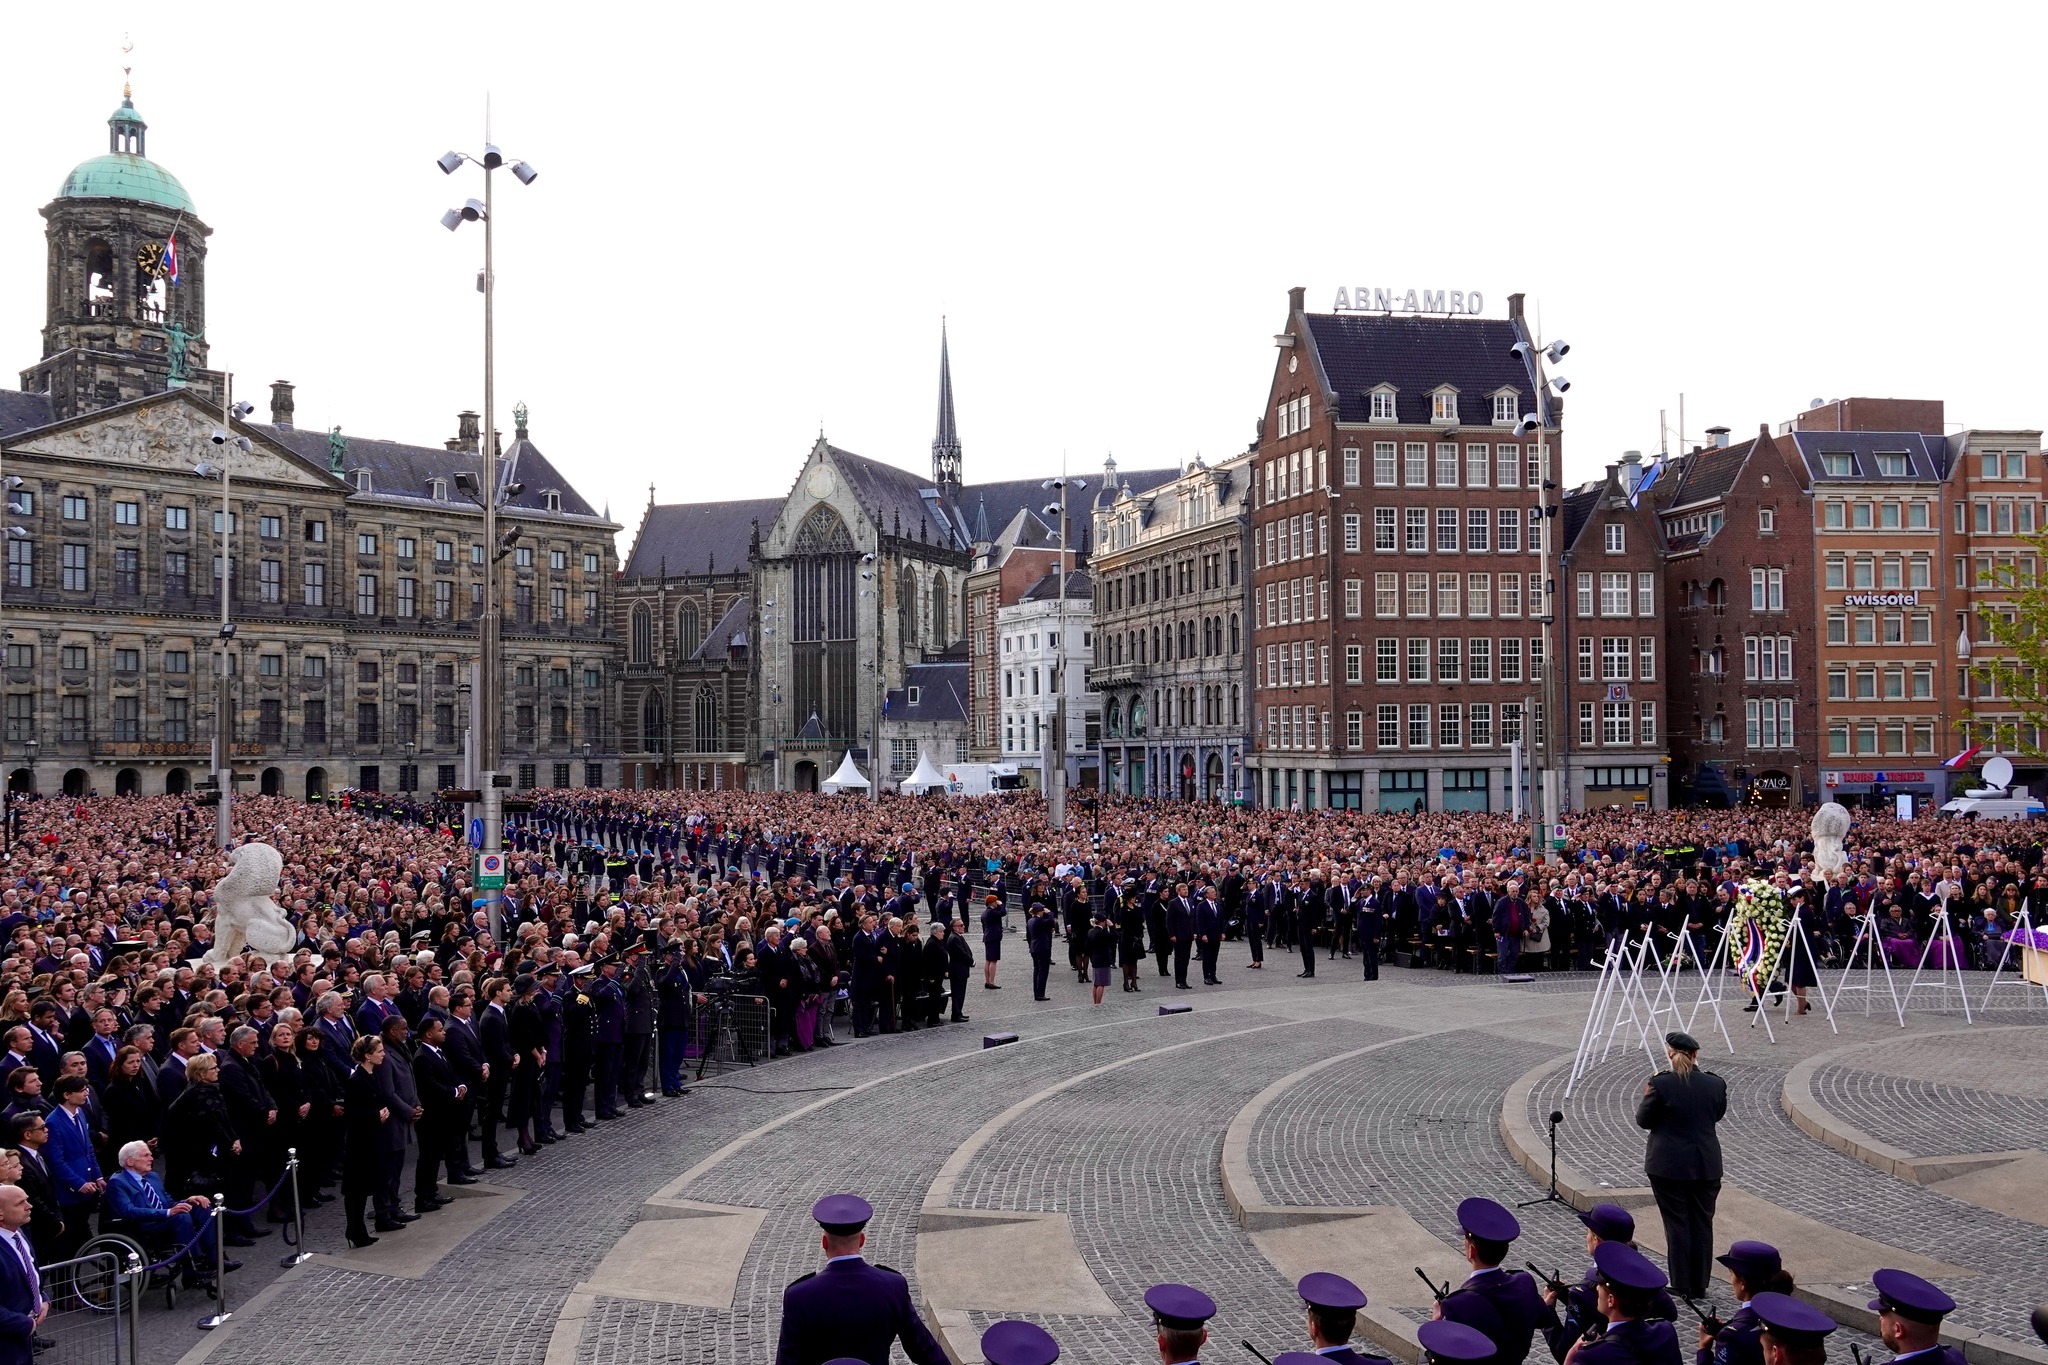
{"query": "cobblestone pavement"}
[(1947, 1096), (1132, 1156)]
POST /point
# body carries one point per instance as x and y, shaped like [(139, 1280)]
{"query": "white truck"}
[(1994, 803), (982, 779)]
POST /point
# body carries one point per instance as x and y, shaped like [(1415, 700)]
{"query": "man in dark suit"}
[(1257, 902), (1309, 913), (1180, 932), (22, 1308), (465, 1051), (1209, 934), (1375, 909), (30, 1135), (850, 1309), (1680, 1107), (45, 1051), (1153, 898), (494, 1029), (1038, 938), (441, 1095)]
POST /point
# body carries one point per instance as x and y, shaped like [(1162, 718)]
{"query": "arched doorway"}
[(74, 782), (127, 782), (806, 776), (316, 784), (177, 782), (1185, 770), (273, 781), (21, 780), (1213, 784)]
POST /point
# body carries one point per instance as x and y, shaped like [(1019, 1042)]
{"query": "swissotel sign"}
[(1360, 299)]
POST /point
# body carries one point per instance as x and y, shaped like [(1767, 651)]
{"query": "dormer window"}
[(1443, 405), (362, 481), (1891, 464), (1839, 464), (552, 500), (912, 694), (438, 488), (1382, 404), (1507, 409)]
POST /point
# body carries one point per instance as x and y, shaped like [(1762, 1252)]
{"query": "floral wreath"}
[(1756, 932)]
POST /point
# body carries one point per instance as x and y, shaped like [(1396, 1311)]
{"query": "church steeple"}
[(946, 442)]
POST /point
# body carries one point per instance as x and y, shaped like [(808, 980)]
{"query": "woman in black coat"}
[(199, 1145), (1680, 1109), (320, 1136), (134, 1114), (285, 1079), (528, 1034), (369, 1132)]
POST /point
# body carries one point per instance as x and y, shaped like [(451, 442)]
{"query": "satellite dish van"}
[(1997, 799)]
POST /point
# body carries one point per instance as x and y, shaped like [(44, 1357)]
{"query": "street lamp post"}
[(1549, 808), (1056, 771), (223, 717), (489, 701)]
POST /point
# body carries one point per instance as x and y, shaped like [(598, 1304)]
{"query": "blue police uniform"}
[(1632, 1341), (1740, 1340), (1326, 1292), (851, 1310), (1518, 1309), (1018, 1343), (1908, 1296)]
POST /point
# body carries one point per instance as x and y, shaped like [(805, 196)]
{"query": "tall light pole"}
[(12, 533), (1547, 809), (489, 699), (223, 716), (1056, 770)]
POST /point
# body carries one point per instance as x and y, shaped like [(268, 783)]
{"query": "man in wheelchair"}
[(139, 1206)]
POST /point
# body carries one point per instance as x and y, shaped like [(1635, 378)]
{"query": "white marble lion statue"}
[(1830, 828), (244, 915)]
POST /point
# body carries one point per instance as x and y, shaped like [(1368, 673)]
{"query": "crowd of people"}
[(145, 1085)]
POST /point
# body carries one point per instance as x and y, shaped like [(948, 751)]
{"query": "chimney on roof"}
[(468, 433), (1632, 469), (1720, 435), (1514, 307), (1297, 298), (281, 402)]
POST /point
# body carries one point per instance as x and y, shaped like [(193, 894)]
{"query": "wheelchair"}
[(93, 1283)]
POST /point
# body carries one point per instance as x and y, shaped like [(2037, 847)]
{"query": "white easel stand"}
[(1870, 945), (2025, 928), (1710, 986), (1945, 931), (1795, 942), (1610, 965)]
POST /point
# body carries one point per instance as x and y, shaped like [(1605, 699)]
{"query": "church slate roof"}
[(718, 641), (941, 695), (693, 537), (21, 412), (884, 490), (1360, 351)]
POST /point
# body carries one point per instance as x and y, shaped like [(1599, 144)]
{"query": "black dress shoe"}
[(387, 1225), (404, 1217), (547, 1139), (237, 1240), (363, 1241), (462, 1180), (1309, 975), (231, 1265), (500, 1163)]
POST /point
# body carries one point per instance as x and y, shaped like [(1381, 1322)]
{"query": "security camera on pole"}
[(1549, 808), (489, 492)]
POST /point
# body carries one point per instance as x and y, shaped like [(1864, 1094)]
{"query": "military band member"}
[(1909, 1313), (1757, 1269), (1180, 1315), (1018, 1343), (1579, 1306), (1452, 1343), (1794, 1333), (1509, 1298), (1628, 1287), (850, 1310), (1333, 1303)]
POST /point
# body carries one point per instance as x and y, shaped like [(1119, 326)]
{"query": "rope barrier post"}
[(135, 1274), (298, 1252), (220, 1264)]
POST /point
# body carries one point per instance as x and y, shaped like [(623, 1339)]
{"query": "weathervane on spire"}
[(127, 70)]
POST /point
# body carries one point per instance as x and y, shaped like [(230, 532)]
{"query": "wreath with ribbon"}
[(1756, 932)]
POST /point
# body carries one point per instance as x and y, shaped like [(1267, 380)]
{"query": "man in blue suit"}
[(850, 1310), (1209, 934), (136, 1196), (22, 1308), (77, 1169)]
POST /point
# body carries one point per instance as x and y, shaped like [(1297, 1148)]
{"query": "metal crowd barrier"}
[(92, 1318)]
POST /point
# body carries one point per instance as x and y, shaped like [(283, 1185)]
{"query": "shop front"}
[(1880, 788)]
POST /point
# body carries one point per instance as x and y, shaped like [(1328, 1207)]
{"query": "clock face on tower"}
[(149, 259)]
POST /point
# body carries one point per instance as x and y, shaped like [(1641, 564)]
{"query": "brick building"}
[(1742, 642), (1396, 588)]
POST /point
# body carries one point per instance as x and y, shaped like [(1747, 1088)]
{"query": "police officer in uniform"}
[(608, 1001), (1018, 1343), (1180, 1314), (850, 1310), (1333, 1303), (1604, 1223), (579, 1040), (1628, 1286), (1451, 1343), (1038, 938), (1757, 1269), (1516, 1306), (1909, 1313), (1794, 1333)]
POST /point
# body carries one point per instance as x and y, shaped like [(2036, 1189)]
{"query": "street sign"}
[(1557, 836), (476, 834), (490, 872)]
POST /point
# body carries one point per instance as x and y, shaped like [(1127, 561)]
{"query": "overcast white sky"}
[(751, 218)]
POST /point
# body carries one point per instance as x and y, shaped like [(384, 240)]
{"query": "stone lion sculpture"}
[(1830, 828), (244, 915)]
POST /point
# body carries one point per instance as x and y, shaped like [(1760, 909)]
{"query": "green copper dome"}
[(123, 175), (124, 172)]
